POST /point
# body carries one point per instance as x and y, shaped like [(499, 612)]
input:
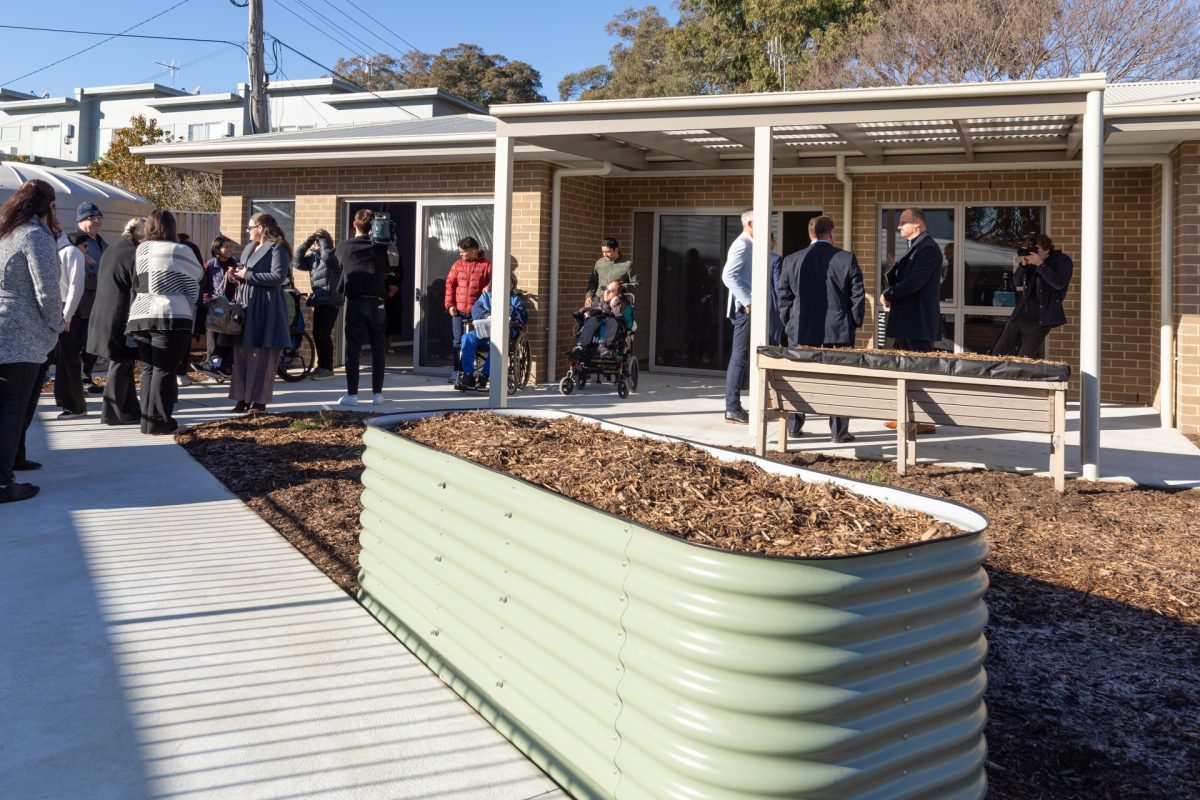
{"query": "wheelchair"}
[(520, 360), (619, 365)]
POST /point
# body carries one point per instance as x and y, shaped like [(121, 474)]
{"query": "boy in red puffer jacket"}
[(468, 277)]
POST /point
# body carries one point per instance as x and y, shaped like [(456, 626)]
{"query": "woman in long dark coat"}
[(106, 329), (265, 270)]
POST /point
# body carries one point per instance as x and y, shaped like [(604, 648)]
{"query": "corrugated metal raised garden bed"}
[(631, 664)]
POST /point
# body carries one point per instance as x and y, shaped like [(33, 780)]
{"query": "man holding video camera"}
[(1041, 279)]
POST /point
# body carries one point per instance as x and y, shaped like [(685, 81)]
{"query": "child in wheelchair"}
[(600, 323), (476, 362)]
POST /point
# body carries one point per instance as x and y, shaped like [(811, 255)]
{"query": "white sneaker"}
[(183, 380), (348, 400), (377, 398)]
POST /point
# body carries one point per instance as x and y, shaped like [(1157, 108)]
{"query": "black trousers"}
[(16, 384), (1021, 337), (366, 322), (160, 353), (79, 329), (838, 426), (119, 405), (68, 374), (324, 320)]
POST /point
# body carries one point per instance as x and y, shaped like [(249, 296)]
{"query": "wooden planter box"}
[(631, 664), (910, 397)]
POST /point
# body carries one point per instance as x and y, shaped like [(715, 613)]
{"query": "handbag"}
[(227, 316)]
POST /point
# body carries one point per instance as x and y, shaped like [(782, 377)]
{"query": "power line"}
[(335, 74), (191, 63), (354, 11), (351, 36), (353, 16), (119, 36), (97, 44), (340, 43)]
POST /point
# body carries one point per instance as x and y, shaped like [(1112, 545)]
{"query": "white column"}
[(1166, 327), (1091, 257), (501, 271), (760, 265)]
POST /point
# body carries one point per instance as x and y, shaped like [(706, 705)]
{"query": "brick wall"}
[(581, 227), (1187, 286), (1130, 333)]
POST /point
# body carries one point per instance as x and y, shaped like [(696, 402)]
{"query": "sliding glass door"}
[(442, 225)]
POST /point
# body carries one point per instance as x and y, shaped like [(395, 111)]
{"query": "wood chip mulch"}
[(1094, 631)]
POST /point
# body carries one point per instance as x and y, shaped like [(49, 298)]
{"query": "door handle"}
[(417, 293)]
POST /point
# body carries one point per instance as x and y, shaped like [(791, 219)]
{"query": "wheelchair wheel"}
[(522, 361), (297, 361), (631, 370), (622, 388), (566, 385)]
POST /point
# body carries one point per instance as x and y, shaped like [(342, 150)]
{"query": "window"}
[(47, 141), (284, 212), (10, 132), (979, 246), (103, 141), (203, 131)]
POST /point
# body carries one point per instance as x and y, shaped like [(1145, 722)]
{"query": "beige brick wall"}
[(1187, 286), (1130, 252), (581, 227)]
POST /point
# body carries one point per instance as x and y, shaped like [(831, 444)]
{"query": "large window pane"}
[(284, 212), (993, 234), (443, 226), (980, 331), (689, 330)]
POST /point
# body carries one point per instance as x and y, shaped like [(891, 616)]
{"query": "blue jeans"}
[(456, 332), (739, 361), (470, 346)]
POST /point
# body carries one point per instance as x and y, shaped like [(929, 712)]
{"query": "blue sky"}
[(555, 37)]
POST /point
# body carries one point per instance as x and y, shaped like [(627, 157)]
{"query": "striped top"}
[(168, 283)]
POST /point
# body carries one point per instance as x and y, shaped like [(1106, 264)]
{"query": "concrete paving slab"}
[(162, 641)]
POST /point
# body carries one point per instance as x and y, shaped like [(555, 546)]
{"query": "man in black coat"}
[(821, 302), (106, 327), (911, 297), (363, 283), (1041, 281)]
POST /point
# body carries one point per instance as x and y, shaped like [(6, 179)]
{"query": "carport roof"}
[(981, 123)]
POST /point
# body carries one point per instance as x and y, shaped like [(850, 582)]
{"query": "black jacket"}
[(821, 297), (364, 267), (914, 284), (324, 271), (115, 281), (1050, 282)]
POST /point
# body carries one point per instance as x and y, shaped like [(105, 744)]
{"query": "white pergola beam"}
[(675, 146), (859, 140), (591, 147), (760, 266), (501, 272), (1091, 257), (965, 136)]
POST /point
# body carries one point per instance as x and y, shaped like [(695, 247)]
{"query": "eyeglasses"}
[(252, 227)]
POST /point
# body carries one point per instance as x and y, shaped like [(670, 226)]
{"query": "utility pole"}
[(260, 108)]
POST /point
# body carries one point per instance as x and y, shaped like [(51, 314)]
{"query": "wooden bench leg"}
[(901, 427), (1058, 449), (783, 430), (760, 433)]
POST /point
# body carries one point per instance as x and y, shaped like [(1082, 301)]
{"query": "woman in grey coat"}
[(265, 270), (31, 317)]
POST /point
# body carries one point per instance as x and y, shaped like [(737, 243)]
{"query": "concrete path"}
[(161, 641)]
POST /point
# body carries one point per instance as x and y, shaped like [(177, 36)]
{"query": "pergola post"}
[(501, 272), (760, 265), (1090, 270)]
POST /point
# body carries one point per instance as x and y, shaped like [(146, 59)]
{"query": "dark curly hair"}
[(34, 198)]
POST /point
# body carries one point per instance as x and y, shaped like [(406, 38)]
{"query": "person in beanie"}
[(88, 220)]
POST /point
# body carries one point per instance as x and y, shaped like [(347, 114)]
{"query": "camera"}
[(1025, 251)]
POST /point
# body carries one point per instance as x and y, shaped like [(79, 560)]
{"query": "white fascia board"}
[(239, 144), (1072, 87), (41, 104), (217, 98), (349, 158)]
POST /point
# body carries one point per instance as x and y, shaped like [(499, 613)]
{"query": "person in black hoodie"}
[(364, 285), (316, 257)]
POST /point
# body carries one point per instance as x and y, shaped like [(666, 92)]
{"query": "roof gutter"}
[(555, 213), (1166, 300)]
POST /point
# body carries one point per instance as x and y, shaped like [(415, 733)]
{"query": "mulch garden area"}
[(1094, 636)]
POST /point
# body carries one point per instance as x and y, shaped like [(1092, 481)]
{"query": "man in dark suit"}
[(911, 297), (821, 303)]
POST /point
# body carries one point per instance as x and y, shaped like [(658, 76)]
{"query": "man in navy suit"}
[(913, 284), (821, 303)]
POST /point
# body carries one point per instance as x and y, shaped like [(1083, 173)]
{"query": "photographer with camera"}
[(364, 263), (316, 257), (1041, 278)]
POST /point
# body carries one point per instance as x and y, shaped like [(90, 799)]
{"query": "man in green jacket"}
[(612, 266)]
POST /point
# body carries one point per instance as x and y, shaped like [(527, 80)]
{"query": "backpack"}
[(381, 229)]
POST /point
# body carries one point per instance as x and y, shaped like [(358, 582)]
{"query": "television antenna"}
[(172, 67)]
